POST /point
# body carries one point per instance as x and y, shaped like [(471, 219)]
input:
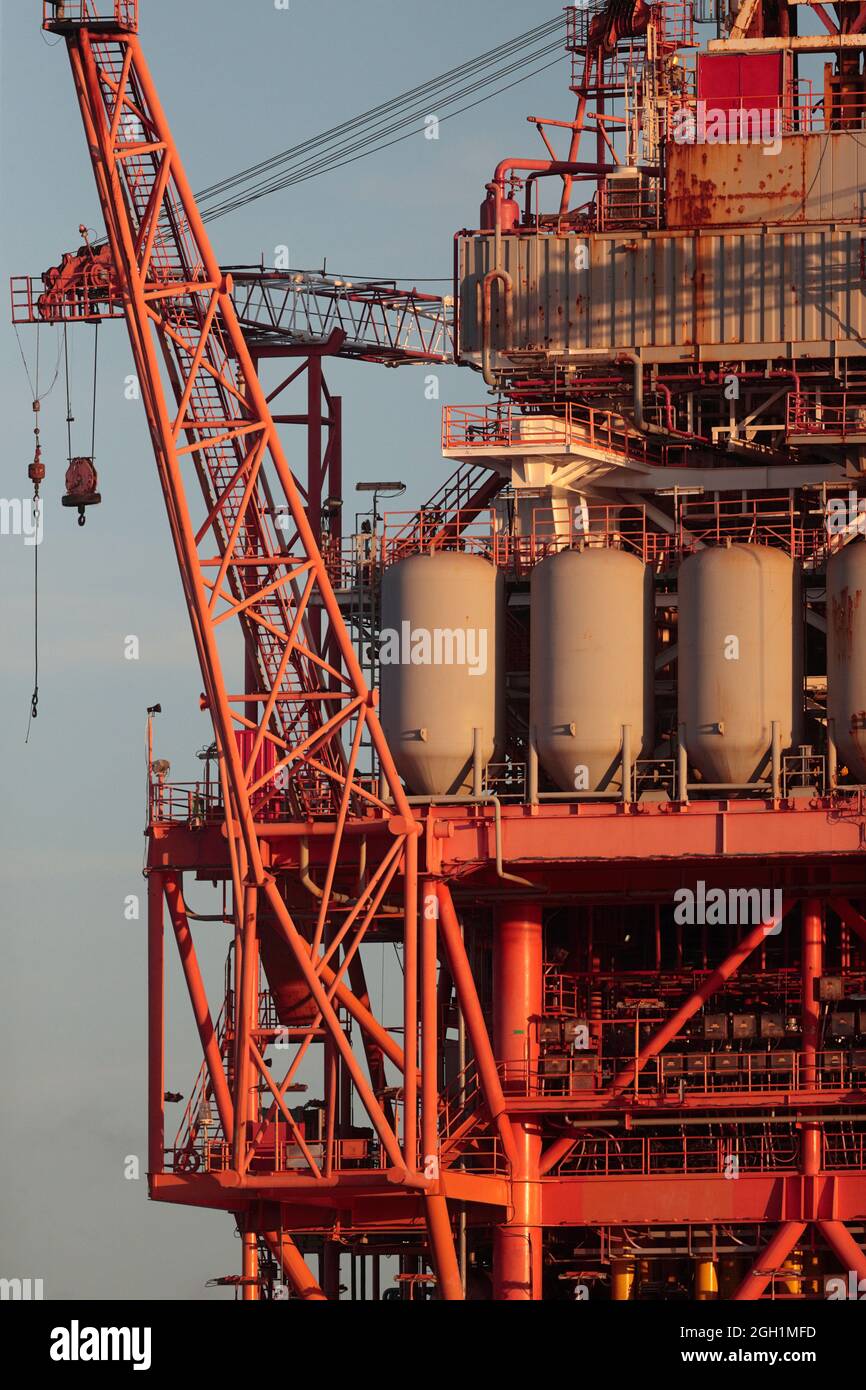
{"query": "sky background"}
[(239, 82)]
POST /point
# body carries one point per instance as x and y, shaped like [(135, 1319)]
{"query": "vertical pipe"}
[(517, 1000), (682, 766), (477, 768), (249, 998), (813, 936), (626, 763), (251, 1292), (410, 1006), (155, 1025), (776, 760), (462, 1247), (429, 1040), (532, 770)]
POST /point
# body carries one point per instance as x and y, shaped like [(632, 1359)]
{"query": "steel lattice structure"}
[(320, 859)]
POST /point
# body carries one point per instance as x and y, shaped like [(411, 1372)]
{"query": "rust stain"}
[(843, 611)]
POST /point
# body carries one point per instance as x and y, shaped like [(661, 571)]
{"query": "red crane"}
[(299, 718)]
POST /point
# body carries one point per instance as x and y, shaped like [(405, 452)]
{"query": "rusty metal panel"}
[(754, 289), (811, 178)]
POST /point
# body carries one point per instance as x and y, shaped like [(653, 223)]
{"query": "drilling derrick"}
[(581, 738)]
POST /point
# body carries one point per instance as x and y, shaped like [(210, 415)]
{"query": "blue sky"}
[(239, 83)]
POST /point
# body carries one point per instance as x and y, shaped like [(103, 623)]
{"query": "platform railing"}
[(841, 413), (760, 118), (582, 1073), (653, 1156), (58, 14)]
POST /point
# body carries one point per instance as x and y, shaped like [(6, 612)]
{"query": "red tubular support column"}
[(517, 999), (476, 1027), (813, 936), (155, 1024), (435, 1206), (201, 1008), (251, 1290)]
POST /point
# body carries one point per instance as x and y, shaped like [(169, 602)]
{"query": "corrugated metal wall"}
[(761, 292)]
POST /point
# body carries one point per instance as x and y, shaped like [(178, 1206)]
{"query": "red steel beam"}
[(769, 1261), (294, 1266)]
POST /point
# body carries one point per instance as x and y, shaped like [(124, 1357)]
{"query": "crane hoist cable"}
[(81, 478), (36, 474)]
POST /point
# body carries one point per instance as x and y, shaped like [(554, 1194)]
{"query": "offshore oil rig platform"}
[(582, 738)]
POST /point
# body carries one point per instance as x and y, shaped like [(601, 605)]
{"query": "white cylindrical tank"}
[(592, 665), (740, 659), (442, 676), (846, 655)]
